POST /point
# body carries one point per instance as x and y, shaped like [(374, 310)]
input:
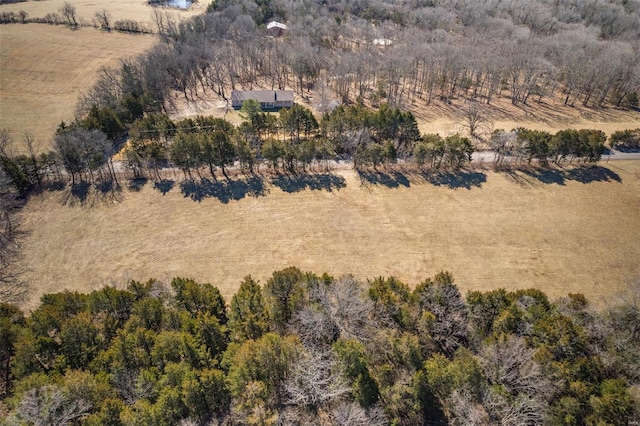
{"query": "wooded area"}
[(433, 51), (309, 349)]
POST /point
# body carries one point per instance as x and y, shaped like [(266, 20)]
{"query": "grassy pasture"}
[(136, 10), (561, 232), (45, 68)]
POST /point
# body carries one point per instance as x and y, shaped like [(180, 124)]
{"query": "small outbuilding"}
[(268, 99), (276, 29)]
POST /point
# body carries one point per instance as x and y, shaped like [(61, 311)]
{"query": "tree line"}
[(310, 349), (67, 16), (291, 141)]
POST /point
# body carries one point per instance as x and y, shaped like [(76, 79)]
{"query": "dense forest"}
[(305, 349), (390, 50)]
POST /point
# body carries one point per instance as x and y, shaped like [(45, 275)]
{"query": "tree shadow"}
[(106, 186), (465, 179), (136, 184), (315, 182), (546, 176), (592, 173), (164, 186), (224, 191), (56, 185), (583, 174), (627, 149), (394, 179), (80, 190)]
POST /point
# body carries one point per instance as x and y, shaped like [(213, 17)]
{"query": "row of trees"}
[(308, 349), (566, 145), (292, 140), (67, 16)]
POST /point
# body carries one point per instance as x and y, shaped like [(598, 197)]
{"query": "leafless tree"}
[(33, 148), (477, 120), (6, 143), (104, 19), (11, 287), (132, 386), (523, 410), (510, 363), (465, 411), (50, 406), (351, 413), (69, 12), (348, 307), (315, 380)]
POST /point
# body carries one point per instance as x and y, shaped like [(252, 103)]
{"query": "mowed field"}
[(45, 68), (136, 10), (489, 229)]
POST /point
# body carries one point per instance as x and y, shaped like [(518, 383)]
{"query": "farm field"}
[(45, 68), (562, 232), (136, 10)]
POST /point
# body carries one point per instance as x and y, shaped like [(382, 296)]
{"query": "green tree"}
[(79, 342), (11, 321), (186, 152), (392, 299), (297, 121), (614, 405), (264, 362), (352, 355), (284, 294), (248, 316), (458, 150), (199, 298), (251, 112)]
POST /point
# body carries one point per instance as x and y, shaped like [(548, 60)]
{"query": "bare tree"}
[(510, 363), (104, 19), (477, 120), (69, 12), (315, 380), (465, 411), (5, 143), (11, 288), (50, 406), (523, 410), (34, 149), (351, 413)]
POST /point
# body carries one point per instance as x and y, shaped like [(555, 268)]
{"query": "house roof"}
[(262, 95), (274, 24)]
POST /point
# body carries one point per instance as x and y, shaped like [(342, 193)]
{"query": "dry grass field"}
[(561, 232), (137, 10), (45, 68)]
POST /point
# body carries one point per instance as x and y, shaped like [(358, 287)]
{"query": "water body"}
[(180, 4)]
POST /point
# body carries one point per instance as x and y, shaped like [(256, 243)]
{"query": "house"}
[(268, 99), (276, 29)]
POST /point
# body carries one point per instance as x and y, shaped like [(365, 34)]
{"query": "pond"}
[(180, 4)]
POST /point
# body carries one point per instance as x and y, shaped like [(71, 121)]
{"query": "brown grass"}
[(45, 68), (136, 10), (510, 231)]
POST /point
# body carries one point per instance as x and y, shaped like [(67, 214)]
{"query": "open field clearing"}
[(136, 10), (45, 68), (561, 232)]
